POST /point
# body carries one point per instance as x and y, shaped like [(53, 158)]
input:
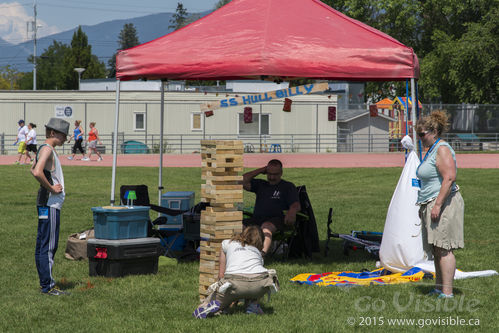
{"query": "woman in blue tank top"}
[(442, 207), (78, 136)]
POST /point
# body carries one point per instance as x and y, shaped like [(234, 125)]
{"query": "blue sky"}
[(60, 15)]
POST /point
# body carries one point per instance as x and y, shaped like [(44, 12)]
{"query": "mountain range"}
[(103, 38)]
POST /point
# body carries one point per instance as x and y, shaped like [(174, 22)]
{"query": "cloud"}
[(13, 18)]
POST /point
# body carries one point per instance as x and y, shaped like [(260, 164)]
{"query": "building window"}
[(139, 121), (260, 125), (196, 121)]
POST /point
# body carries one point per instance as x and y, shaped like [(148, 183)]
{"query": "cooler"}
[(181, 200), (117, 258), (120, 222)]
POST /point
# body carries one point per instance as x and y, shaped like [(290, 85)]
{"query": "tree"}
[(178, 19), (50, 69), (9, 78), (464, 69), (81, 56), (221, 3), (456, 42), (127, 38)]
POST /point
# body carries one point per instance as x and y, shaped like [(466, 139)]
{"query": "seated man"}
[(273, 196)]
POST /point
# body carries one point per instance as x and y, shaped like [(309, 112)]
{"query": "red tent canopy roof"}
[(284, 39)]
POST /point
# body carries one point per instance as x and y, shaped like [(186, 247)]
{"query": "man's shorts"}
[(22, 147), (277, 221)]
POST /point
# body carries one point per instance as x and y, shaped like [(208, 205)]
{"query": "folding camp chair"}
[(142, 199), (370, 241), (302, 238)]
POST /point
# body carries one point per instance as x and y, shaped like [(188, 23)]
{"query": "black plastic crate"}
[(117, 258)]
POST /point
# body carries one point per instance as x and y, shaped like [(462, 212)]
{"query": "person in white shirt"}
[(241, 275), (22, 132), (31, 142)]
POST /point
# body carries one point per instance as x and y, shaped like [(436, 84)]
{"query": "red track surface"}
[(338, 160)]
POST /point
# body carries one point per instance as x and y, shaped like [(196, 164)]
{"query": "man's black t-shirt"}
[(271, 200)]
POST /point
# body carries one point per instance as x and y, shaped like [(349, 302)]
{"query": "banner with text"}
[(265, 97)]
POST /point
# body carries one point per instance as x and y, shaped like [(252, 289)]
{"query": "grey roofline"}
[(365, 114)]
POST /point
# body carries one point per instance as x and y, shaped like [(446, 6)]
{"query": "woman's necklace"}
[(424, 159), (429, 150)]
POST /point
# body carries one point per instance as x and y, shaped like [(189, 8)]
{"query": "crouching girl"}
[(241, 275)]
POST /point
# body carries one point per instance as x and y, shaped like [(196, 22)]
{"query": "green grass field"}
[(165, 301)]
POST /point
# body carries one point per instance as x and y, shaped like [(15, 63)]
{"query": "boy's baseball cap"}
[(20, 122)]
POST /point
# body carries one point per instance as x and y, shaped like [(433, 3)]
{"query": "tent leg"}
[(418, 113), (406, 113), (161, 124), (115, 140), (413, 113)]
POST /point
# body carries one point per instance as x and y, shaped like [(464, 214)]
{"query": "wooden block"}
[(222, 187), (212, 182), (221, 215), (230, 178), (234, 150), (208, 270), (207, 279), (221, 144)]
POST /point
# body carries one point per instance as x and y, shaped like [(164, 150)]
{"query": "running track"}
[(337, 160)]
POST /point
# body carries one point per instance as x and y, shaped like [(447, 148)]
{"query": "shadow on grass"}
[(335, 255), (64, 283), (428, 286)]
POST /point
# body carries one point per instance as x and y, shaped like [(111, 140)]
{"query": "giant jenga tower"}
[(222, 163)]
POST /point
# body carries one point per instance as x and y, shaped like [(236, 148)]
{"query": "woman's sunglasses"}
[(421, 134)]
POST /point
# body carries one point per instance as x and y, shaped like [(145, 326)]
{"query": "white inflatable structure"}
[(402, 243)]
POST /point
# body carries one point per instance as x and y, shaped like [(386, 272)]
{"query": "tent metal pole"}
[(115, 140), (406, 112), (406, 107), (161, 124), (413, 113), (418, 115)]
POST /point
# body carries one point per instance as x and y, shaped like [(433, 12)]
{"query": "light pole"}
[(79, 70)]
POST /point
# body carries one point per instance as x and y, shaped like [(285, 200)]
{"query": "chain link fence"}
[(472, 128)]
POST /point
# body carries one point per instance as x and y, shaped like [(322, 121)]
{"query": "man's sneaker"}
[(254, 308), (99, 159), (16, 162), (443, 296), (56, 292), (85, 159), (206, 310), (434, 292), (70, 158)]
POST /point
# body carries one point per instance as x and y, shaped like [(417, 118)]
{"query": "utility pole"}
[(35, 28)]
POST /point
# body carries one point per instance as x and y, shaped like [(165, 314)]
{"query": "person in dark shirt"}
[(273, 196)]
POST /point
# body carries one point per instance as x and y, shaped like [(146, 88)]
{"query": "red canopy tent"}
[(269, 39)]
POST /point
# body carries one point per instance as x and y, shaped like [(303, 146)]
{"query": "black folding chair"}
[(370, 241), (142, 194), (301, 239)]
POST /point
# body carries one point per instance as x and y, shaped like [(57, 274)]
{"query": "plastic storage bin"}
[(120, 222), (116, 258), (181, 200)]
